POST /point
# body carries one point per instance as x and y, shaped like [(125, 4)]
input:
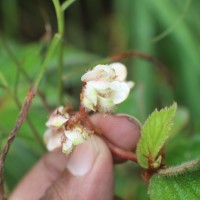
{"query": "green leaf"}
[(177, 183), (182, 148), (155, 132)]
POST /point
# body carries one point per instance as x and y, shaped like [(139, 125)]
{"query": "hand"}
[(87, 173)]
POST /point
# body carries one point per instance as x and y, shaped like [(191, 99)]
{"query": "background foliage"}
[(166, 29)]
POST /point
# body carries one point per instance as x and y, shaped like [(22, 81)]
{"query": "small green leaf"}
[(177, 183), (154, 134)]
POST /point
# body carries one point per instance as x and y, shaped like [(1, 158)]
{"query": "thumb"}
[(88, 174)]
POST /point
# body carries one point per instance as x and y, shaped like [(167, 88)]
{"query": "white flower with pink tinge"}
[(56, 136), (105, 87)]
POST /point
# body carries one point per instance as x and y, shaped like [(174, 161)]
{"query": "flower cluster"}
[(105, 87), (59, 135)]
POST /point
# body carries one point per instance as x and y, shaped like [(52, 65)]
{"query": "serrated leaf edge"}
[(156, 111), (174, 171)]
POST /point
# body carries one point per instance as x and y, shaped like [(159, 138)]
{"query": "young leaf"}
[(180, 182), (154, 134)]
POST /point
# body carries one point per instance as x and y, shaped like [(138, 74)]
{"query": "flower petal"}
[(56, 121), (67, 147), (52, 139), (99, 85), (90, 92), (120, 91), (61, 109), (88, 104), (85, 134), (74, 136), (105, 104), (131, 84), (100, 72), (120, 71), (105, 72)]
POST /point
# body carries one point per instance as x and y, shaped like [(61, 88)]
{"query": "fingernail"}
[(130, 119), (82, 159)]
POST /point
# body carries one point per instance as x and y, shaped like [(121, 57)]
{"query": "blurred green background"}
[(94, 30)]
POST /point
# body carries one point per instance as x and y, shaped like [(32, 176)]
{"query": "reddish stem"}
[(122, 153), (20, 119), (83, 117), (137, 54)]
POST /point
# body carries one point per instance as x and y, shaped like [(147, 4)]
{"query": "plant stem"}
[(60, 17), (141, 55), (175, 23), (20, 119), (180, 169), (31, 93), (22, 70), (15, 92), (122, 153), (52, 47), (60, 72), (60, 20), (18, 104), (3, 80), (30, 124), (24, 110), (66, 4)]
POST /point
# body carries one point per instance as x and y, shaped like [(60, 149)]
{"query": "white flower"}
[(56, 121), (113, 71), (74, 137), (120, 71), (57, 118), (52, 139), (53, 135), (105, 87), (100, 72), (57, 136)]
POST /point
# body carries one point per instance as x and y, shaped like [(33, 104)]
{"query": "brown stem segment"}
[(137, 54), (20, 119), (23, 71)]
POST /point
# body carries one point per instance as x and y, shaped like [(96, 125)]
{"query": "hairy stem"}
[(131, 54), (20, 119), (24, 110), (22, 70), (137, 54), (122, 153)]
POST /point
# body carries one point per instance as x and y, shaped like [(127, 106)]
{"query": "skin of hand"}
[(87, 173)]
